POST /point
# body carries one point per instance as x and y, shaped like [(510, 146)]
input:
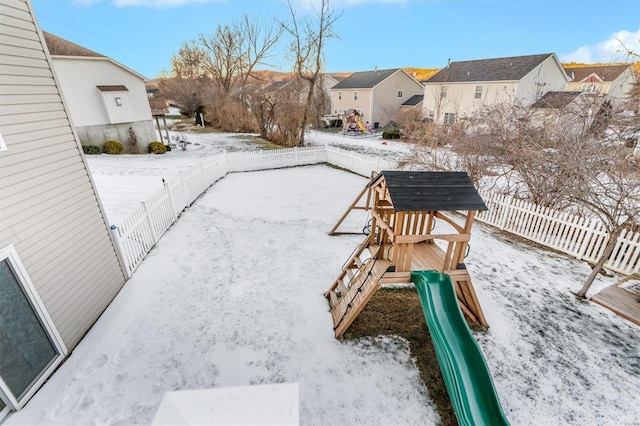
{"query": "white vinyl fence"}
[(577, 236), (585, 239)]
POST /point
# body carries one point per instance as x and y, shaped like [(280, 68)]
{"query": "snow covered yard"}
[(233, 295)]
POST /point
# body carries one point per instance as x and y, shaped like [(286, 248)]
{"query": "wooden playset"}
[(404, 206)]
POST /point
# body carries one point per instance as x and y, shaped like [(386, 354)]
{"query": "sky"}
[(144, 34)]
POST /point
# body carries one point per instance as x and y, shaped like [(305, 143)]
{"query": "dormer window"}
[(590, 87)]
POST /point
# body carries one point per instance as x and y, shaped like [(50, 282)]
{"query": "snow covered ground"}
[(233, 295)]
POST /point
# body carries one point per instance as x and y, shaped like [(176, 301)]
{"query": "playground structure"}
[(354, 122), (401, 248), (404, 206)]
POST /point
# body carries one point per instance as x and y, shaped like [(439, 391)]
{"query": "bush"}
[(91, 149), (112, 147), (391, 134), (157, 148)]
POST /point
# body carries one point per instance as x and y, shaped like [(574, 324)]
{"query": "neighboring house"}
[(59, 267), (611, 81), (376, 95), (105, 98), (461, 88)]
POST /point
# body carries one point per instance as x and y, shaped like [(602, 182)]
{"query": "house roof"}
[(556, 99), (60, 47), (57, 46), (512, 68), (431, 191), (414, 100), (603, 72), (365, 79)]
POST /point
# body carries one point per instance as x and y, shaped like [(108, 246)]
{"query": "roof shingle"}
[(512, 68), (365, 79)]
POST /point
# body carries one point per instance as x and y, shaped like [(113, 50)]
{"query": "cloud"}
[(608, 51)]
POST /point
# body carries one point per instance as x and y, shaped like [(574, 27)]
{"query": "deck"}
[(425, 257), (623, 302)]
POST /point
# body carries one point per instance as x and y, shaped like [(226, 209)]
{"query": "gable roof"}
[(431, 191), (365, 79), (58, 46), (603, 72), (413, 101), (556, 99), (511, 68)]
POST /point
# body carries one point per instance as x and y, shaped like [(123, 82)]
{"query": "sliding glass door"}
[(30, 348)]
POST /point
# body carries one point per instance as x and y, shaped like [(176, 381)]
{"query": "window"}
[(355, 96), (449, 118), (399, 93), (339, 95), (590, 87), (31, 346), (478, 92), (3, 146), (443, 92)]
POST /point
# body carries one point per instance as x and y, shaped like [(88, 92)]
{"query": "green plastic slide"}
[(464, 369)]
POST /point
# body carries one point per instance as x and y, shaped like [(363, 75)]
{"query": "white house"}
[(105, 98), (376, 95), (59, 267), (611, 81), (463, 87)]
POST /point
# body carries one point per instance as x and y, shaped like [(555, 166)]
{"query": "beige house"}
[(105, 98), (59, 267), (376, 95), (611, 81), (461, 88)]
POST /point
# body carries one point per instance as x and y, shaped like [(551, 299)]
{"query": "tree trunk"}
[(613, 239)]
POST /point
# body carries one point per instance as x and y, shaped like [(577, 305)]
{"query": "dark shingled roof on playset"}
[(512, 68), (431, 191), (365, 79)]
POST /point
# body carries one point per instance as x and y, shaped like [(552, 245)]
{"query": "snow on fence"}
[(579, 237), (574, 235)]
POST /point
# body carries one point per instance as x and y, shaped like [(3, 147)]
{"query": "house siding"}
[(49, 209), (460, 96), (386, 103), (546, 77), (92, 112)]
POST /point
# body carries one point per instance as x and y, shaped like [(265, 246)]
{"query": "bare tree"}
[(309, 38), (188, 79)]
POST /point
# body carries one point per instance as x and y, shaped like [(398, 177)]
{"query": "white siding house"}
[(376, 95), (104, 97), (461, 88), (613, 82), (59, 267)]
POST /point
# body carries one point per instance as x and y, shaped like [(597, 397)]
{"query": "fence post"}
[(587, 239), (507, 213), (120, 253), (173, 204), (184, 187), (149, 221)]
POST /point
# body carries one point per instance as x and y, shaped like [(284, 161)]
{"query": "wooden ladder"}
[(348, 296)]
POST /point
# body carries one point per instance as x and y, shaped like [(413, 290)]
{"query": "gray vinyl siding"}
[(49, 209)]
